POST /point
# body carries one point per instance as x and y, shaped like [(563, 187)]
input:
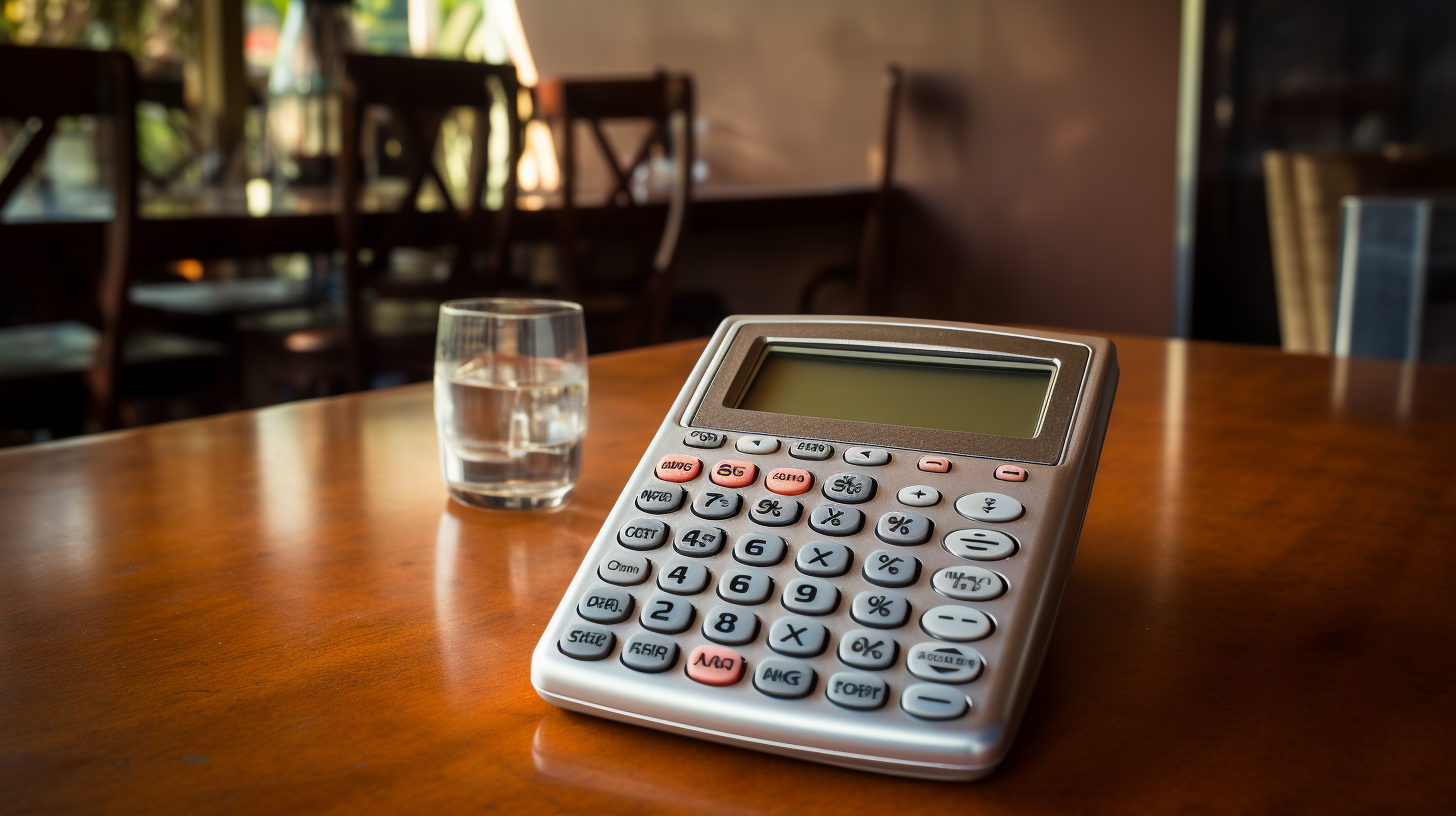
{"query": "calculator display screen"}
[(907, 389)]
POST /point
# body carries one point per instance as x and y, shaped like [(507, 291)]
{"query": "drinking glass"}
[(510, 400)]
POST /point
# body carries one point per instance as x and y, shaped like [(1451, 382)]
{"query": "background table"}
[(280, 611)]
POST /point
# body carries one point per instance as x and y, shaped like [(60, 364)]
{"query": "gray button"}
[(968, 583), (624, 569), (889, 569), (660, 498), (704, 439), (700, 542), (798, 636), (730, 625), (757, 444), (918, 496), (960, 623), (944, 663), (882, 610), (775, 511), (745, 586), (933, 702), (605, 604), (759, 549), (869, 457), (642, 534), (810, 596), (988, 507), (903, 527), (649, 653), (867, 649), (816, 451), (828, 519), (666, 614), (778, 677), (824, 559), (585, 642), (864, 692), (683, 579), (850, 488), (717, 504), (980, 545)]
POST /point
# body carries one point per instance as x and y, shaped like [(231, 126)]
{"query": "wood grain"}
[(280, 611)]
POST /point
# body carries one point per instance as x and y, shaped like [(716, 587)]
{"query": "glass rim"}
[(481, 307)]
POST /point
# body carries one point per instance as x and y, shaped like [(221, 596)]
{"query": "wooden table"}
[(280, 611)]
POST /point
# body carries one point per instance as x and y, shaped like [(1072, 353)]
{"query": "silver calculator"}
[(846, 543)]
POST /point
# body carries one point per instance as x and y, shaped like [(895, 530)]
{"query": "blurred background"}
[(208, 205)]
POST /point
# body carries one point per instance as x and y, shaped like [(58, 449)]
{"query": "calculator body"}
[(923, 662)]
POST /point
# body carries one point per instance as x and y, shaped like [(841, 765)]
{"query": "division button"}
[(745, 586), (678, 467), (649, 653), (759, 549), (935, 464), (585, 642), (717, 504), (757, 444), (988, 507), (1010, 473), (604, 604), (775, 512), (704, 439), (823, 559), (810, 596), (715, 665), (827, 519), (889, 569), (778, 677), (918, 496), (815, 451), (642, 534), (968, 583), (666, 614), (881, 610), (863, 692), (734, 473), (980, 545), (789, 481), (730, 625), (700, 542), (868, 457), (867, 649), (958, 623), (660, 498), (684, 579), (850, 488), (903, 527), (931, 701), (799, 637), (624, 569), (944, 663)]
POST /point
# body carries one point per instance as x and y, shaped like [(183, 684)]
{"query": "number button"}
[(830, 520), (789, 481), (815, 451), (684, 579), (799, 637), (717, 504), (676, 467), (869, 457), (660, 498), (980, 545), (586, 642), (824, 559), (932, 702), (888, 569), (715, 665), (757, 444), (730, 625), (862, 692), (775, 512), (956, 623), (605, 605), (700, 542), (968, 583), (810, 596), (746, 587), (881, 610), (988, 507), (734, 473), (904, 528), (666, 614), (944, 664), (650, 654), (759, 550), (789, 679), (918, 496), (624, 569), (850, 488), (867, 649), (704, 439), (642, 534)]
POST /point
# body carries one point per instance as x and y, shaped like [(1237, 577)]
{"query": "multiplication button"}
[(980, 545), (649, 653), (932, 701), (944, 663), (862, 692), (799, 637), (789, 679), (824, 559), (585, 642), (992, 507)]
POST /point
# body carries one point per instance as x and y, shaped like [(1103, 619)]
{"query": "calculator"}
[(846, 543)]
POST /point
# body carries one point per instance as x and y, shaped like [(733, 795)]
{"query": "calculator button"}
[(815, 451), (730, 625), (704, 439), (933, 702), (1010, 473), (850, 488), (604, 604), (863, 692), (789, 481), (959, 623), (968, 583), (700, 542), (918, 496), (649, 653), (642, 534), (823, 559), (882, 610), (980, 545), (585, 642), (835, 521), (624, 569), (745, 586), (775, 512), (904, 528), (660, 498), (734, 473), (778, 677), (759, 549), (757, 444), (666, 614), (988, 507), (810, 596), (715, 665), (935, 464), (869, 457), (684, 579), (797, 636), (717, 504), (677, 467), (867, 649), (889, 569), (944, 663)]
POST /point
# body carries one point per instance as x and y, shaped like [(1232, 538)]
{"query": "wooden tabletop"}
[(279, 611)]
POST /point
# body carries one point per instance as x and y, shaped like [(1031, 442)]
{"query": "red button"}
[(675, 467), (734, 473), (788, 481), (715, 665), (1011, 473), (935, 464)]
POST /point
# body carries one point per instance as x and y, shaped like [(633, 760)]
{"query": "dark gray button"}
[(800, 637), (778, 677), (816, 451), (700, 542), (704, 439), (649, 653), (660, 498), (863, 692), (968, 583), (992, 507), (832, 520), (759, 549), (944, 663), (918, 496), (903, 527), (745, 586), (666, 614), (683, 579), (624, 569), (882, 610), (757, 444), (867, 649), (642, 534), (775, 512), (952, 622), (585, 642), (730, 625), (605, 604), (932, 701), (889, 569), (870, 457), (850, 488), (810, 596), (824, 559), (980, 545), (717, 504)]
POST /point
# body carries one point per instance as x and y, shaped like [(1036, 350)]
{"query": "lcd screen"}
[(891, 388)]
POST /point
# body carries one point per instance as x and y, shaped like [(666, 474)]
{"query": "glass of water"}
[(510, 400)]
